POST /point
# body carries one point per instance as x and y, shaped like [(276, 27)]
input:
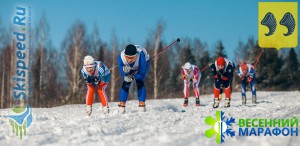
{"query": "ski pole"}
[(162, 51), (258, 58), (203, 69)]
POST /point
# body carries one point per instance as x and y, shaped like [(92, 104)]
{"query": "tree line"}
[(56, 78)]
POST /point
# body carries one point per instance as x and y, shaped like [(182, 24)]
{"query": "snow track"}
[(162, 125)]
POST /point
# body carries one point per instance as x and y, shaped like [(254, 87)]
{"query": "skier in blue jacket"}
[(134, 65), (247, 75)]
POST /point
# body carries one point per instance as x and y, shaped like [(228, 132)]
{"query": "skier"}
[(97, 76), (190, 74), (134, 64), (222, 70), (246, 73)]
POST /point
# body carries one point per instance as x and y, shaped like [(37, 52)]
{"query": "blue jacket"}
[(138, 74)]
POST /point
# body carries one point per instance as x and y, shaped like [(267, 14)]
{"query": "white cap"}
[(187, 66), (88, 61)]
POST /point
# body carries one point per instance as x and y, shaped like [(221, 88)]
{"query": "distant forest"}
[(56, 78)]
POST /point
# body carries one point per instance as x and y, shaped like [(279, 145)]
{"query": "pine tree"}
[(290, 70), (186, 55), (220, 50), (268, 69)]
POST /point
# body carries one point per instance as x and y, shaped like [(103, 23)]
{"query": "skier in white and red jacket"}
[(190, 75)]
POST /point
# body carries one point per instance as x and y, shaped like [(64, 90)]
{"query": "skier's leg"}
[(227, 90), (244, 100), (186, 92), (89, 98), (216, 93), (196, 88), (186, 89), (197, 92), (102, 94), (141, 95), (141, 90), (90, 94), (253, 89), (124, 91), (123, 96), (103, 97), (244, 88)]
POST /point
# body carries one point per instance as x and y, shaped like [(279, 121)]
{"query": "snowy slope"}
[(162, 125)]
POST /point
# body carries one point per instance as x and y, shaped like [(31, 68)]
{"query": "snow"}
[(162, 125)]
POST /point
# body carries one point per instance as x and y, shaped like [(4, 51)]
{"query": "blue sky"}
[(209, 20)]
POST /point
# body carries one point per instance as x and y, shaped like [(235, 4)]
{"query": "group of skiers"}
[(134, 64)]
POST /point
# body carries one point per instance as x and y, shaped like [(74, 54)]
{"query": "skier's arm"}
[(229, 72), (120, 63), (240, 74), (84, 75), (142, 68), (252, 74), (182, 74), (104, 73), (214, 71), (197, 75)]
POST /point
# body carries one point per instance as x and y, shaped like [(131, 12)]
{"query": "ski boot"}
[(142, 107), (197, 102), (121, 108), (254, 99), (244, 100), (88, 110), (186, 102), (227, 102), (105, 109), (216, 103)]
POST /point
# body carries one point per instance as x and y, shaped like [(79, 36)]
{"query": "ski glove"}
[(195, 80), (126, 69), (224, 78), (250, 79), (242, 77), (128, 78), (218, 76), (92, 79)]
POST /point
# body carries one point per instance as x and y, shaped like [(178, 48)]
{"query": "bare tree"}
[(2, 82), (3, 71), (41, 31), (113, 71), (12, 60), (158, 33), (76, 47)]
